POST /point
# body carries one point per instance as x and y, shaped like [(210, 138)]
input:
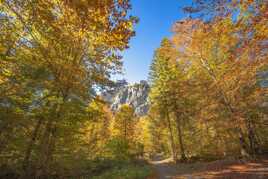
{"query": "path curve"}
[(231, 169)]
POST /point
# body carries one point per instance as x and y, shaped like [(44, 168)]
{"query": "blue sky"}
[(156, 19)]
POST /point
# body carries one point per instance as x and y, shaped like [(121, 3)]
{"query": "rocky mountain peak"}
[(135, 95)]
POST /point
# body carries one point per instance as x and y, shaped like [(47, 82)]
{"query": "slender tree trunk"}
[(30, 146), (49, 142), (174, 153), (253, 144), (46, 140), (242, 140), (178, 125), (243, 144), (227, 103), (49, 150)]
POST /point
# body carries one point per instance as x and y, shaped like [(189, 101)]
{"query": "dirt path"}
[(227, 169), (164, 168)]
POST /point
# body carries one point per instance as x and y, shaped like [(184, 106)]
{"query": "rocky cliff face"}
[(135, 95)]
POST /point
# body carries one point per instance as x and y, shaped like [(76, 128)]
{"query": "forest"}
[(208, 89)]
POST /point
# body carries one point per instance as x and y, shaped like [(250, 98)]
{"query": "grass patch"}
[(126, 170)]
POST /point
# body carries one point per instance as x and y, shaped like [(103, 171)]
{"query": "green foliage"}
[(118, 148), (124, 123), (124, 144)]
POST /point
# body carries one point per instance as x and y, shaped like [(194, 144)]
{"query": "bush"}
[(118, 149)]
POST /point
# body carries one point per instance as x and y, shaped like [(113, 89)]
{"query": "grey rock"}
[(135, 95)]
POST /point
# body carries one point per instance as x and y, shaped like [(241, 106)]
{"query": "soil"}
[(220, 169)]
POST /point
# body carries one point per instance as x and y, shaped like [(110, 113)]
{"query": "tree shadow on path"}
[(226, 169)]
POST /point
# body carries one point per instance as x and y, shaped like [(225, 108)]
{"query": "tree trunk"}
[(253, 144), (30, 146), (49, 141), (243, 144), (174, 153), (227, 104), (178, 125), (49, 150), (242, 140), (46, 140)]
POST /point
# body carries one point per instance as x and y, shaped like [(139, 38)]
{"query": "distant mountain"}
[(136, 95)]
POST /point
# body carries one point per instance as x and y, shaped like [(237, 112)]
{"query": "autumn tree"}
[(169, 91), (124, 123), (217, 50), (123, 144), (53, 55)]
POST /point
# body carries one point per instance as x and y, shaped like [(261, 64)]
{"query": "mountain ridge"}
[(135, 95)]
